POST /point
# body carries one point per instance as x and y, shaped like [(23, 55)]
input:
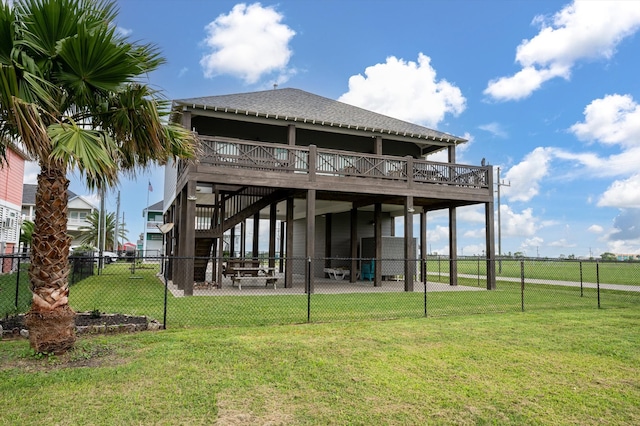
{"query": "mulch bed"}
[(89, 323)]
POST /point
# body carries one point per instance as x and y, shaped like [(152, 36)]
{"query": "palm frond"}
[(91, 152), (7, 32)]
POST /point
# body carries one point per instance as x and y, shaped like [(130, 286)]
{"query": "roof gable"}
[(300, 106)]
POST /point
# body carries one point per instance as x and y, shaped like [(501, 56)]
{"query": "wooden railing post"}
[(409, 171), (313, 153)]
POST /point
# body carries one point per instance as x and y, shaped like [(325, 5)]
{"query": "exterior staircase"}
[(237, 206)]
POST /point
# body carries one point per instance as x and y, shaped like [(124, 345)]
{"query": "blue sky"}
[(546, 90)]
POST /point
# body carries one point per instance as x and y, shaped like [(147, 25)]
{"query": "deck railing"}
[(232, 153)]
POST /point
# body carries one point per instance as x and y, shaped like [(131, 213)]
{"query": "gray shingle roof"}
[(298, 105), (29, 194), (156, 207)]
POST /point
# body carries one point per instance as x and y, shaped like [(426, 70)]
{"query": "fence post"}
[(598, 282), (166, 288), (18, 282), (522, 285), (581, 294), (308, 285), (478, 271), (424, 281)]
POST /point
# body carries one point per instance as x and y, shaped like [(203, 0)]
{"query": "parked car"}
[(108, 256)]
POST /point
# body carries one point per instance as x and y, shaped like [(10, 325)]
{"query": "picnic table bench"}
[(249, 272)]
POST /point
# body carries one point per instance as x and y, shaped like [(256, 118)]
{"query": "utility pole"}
[(102, 229), (499, 184), (116, 227)]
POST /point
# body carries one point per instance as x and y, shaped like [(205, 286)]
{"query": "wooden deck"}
[(298, 163)]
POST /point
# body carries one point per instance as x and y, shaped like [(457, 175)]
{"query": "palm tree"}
[(91, 234), (26, 234), (73, 93)]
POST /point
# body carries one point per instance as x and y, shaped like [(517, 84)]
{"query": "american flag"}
[(150, 187)]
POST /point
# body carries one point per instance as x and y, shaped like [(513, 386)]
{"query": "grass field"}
[(548, 367), (608, 272)]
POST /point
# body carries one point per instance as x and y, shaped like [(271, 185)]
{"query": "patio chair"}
[(367, 270)]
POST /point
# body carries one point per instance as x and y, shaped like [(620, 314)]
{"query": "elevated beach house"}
[(329, 179)]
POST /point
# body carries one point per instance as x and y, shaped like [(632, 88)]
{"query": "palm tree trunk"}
[(51, 321)]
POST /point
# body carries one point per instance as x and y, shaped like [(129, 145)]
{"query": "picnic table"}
[(254, 274)]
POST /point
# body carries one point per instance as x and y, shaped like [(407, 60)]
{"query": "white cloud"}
[(532, 243), (471, 214), (596, 229), (249, 42), (624, 247), (514, 224), (124, 32), (31, 170), (581, 30), (525, 176), (562, 243), (441, 233), (475, 233), (612, 120), (523, 83), (626, 228), (405, 90), (495, 129), (472, 250), (182, 72), (622, 193)]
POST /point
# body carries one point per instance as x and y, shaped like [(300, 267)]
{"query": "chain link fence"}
[(243, 292)]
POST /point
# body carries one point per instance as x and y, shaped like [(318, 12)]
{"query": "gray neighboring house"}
[(78, 210), (326, 176)]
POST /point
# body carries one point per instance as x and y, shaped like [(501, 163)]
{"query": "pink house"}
[(11, 175)]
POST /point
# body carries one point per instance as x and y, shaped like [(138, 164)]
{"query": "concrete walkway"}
[(621, 287), (321, 286)]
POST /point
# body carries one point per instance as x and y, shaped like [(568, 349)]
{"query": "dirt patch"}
[(86, 354)]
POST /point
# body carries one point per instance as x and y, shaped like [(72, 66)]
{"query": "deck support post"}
[(220, 252), (256, 236), (490, 236), (423, 246), (453, 247), (327, 239), (354, 244), (243, 238), (232, 241), (310, 240), (288, 272), (377, 219), (409, 246), (272, 234), (281, 246)]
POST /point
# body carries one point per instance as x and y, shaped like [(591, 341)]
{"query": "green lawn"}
[(578, 366), (119, 289), (609, 272)]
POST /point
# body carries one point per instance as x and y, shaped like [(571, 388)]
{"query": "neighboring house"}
[(11, 175), (77, 211), (152, 241), (286, 155)]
